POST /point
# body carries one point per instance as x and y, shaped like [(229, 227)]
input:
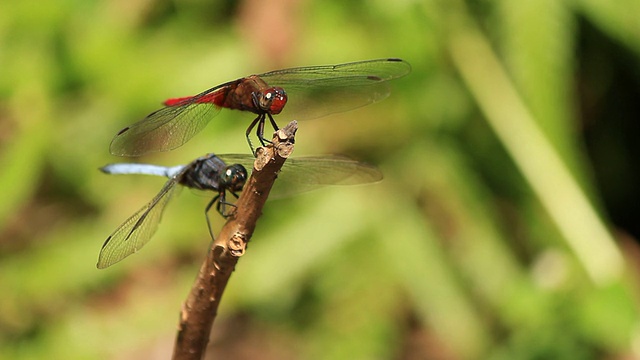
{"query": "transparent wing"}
[(316, 91), (137, 230), (164, 129), (348, 74), (313, 172), (308, 173)]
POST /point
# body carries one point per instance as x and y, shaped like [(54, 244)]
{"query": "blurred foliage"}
[(506, 226)]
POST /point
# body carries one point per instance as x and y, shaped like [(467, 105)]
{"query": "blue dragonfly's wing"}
[(308, 173), (137, 230)]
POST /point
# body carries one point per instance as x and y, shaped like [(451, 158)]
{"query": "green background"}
[(496, 233)]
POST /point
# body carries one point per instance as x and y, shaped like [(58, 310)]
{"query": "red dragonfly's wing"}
[(137, 230), (167, 128), (316, 91), (313, 91)]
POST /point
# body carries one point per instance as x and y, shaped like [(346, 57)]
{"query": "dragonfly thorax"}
[(211, 173)]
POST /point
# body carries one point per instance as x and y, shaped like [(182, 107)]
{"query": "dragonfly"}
[(300, 92), (211, 173)]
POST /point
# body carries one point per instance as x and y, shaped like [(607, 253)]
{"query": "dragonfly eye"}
[(234, 177), (273, 100)]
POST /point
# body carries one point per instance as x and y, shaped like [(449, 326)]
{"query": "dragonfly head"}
[(234, 177), (273, 100)]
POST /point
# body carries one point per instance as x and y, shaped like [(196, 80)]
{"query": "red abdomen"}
[(216, 97), (232, 95)]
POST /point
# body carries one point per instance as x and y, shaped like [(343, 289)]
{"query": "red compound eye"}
[(279, 100)]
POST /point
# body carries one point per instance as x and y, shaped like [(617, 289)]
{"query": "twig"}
[(200, 308)]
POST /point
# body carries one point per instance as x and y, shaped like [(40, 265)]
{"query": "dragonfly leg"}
[(222, 204), (234, 194), (273, 122), (206, 213), (260, 131), (258, 119)]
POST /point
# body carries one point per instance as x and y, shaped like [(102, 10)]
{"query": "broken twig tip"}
[(288, 132)]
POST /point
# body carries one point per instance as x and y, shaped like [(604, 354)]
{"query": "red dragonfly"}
[(303, 92)]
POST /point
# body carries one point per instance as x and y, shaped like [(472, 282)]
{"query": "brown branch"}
[(200, 308)]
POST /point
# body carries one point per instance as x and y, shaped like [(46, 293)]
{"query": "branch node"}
[(237, 245)]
